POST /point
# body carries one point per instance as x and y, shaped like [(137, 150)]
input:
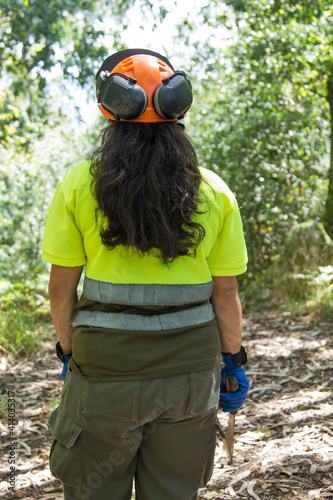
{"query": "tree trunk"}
[(328, 216)]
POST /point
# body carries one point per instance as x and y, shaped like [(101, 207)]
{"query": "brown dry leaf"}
[(250, 486), (239, 477), (315, 493)]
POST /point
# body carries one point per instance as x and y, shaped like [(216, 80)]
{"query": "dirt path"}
[(283, 436)]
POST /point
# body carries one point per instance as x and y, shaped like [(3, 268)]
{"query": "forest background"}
[(262, 72)]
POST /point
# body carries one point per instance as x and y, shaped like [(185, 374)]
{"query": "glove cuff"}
[(235, 360), (61, 355)]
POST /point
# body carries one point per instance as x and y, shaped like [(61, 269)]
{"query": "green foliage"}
[(320, 304), (27, 182), (23, 314), (37, 35), (300, 278), (309, 293), (292, 42), (263, 119), (9, 115), (273, 161), (41, 42), (47, 49)]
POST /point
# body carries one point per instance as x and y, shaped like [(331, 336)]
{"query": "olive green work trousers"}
[(159, 432)]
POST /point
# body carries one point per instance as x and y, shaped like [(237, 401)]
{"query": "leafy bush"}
[(29, 176), (24, 312), (28, 180), (274, 160), (300, 279)]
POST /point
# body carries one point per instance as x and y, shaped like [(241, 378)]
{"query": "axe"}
[(228, 436)]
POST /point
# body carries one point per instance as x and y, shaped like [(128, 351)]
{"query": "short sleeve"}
[(228, 256), (63, 242)]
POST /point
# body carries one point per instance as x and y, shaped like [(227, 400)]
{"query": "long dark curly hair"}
[(146, 182)]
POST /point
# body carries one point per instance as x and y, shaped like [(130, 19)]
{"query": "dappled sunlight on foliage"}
[(28, 180), (264, 116), (260, 119), (300, 278)]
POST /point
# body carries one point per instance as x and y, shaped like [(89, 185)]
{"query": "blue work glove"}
[(65, 367), (232, 401)]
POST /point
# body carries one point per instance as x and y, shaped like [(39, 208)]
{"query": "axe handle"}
[(232, 386)]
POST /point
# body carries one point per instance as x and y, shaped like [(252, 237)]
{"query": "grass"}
[(309, 293), (24, 313), (321, 305)]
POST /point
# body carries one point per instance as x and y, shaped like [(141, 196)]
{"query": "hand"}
[(232, 401), (67, 357)]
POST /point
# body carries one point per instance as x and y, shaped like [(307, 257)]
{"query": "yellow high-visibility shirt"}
[(72, 237)]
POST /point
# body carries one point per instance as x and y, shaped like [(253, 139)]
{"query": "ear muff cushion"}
[(174, 96), (122, 97)]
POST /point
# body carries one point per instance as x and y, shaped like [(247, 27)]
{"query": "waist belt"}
[(157, 322), (146, 294)]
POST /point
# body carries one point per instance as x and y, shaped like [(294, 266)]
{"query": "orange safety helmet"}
[(139, 85)]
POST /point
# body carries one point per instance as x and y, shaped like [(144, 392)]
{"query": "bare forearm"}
[(228, 310), (61, 311), (229, 320), (63, 297)]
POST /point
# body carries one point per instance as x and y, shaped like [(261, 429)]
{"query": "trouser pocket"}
[(204, 388), (66, 457)]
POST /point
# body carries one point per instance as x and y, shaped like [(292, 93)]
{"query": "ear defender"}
[(141, 85), (121, 96), (173, 98)]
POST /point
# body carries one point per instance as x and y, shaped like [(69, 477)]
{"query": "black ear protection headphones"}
[(123, 98), (173, 98)]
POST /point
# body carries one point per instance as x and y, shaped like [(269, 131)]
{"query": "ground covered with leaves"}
[(283, 435)]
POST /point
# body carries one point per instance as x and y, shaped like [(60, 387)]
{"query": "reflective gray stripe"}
[(146, 295), (167, 321)]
